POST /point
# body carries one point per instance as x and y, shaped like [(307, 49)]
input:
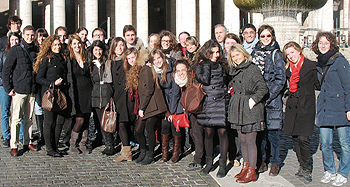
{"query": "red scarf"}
[(183, 50), (295, 78), (134, 96)]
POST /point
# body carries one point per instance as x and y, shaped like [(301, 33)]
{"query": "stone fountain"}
[(282, 15)]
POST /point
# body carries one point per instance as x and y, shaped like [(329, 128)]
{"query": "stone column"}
[(258, 18), (344, 14), (205, 27), (186, 16), (47, 11), (232, 17), (142, 21), (59, 13), (25, 12), (123, 15), (91, 16)]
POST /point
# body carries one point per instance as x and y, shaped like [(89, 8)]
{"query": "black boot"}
[(148, 158), (141, 156), (208, 166), (222, 168), (109, 143)]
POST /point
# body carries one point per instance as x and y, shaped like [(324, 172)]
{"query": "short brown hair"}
[(330, 37)]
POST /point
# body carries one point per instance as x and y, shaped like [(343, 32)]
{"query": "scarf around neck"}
[(322, 59), (158, 70), (295, 78), (180, 82)]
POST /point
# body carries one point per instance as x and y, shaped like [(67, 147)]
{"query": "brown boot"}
[(249, 176), (165, 147), (263, 167), (176, 149), (275, 169), (82, 143), (243, 170), (125, 156), (72, 142)]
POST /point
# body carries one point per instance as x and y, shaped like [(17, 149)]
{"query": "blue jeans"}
[(326, 134), (272, 141), (5, 103)]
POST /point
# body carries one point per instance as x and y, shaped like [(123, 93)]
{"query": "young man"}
[(18, 82), (220, 34), (250, 37), (129, 33), (14, 24)]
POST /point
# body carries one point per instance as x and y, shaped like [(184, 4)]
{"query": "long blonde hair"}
[(164, 66), (296, 46), (239, 48), (71, 51), (45, 51), (131, 72)]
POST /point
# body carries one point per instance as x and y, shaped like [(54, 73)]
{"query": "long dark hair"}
[(91, 57), (113, 45), (204, 53), (40, 32), (8, 45)]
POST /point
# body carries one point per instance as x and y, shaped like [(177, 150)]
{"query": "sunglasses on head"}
[(263, 36)]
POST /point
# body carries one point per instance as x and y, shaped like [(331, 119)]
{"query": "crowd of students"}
[(245, 84)]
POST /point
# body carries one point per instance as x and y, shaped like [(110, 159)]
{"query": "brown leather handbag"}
[(192, 99), (109, 118), (54, 99)]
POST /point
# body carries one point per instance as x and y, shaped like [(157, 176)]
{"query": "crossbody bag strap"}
[(30, 57), (324, 74)]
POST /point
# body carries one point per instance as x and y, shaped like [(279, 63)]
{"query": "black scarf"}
[(322, 59)]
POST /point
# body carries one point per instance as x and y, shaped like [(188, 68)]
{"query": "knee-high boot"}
[(82, 143), (165, 147), (176, 149)]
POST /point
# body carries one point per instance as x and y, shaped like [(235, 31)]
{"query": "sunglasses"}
[(263, 36)]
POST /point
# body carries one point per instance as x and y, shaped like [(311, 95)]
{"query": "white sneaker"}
[(328, 177), (339, 181)]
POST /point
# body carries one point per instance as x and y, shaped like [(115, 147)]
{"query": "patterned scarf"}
[(295, 78), (259, 59)]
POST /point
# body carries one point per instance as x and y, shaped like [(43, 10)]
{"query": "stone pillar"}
[(186, 16), (123, 15), (142, 21), (25, 12), (232, 17), (344, 14), (47, 22), (205, 27), (258, 18), (91, 16), (59, 13), (322, 18)]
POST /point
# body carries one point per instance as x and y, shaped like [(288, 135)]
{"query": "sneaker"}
[(328, 177), (6, 143), (307, 176), (339, 180)]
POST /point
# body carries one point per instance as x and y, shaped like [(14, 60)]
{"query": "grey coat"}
[(247, 82)]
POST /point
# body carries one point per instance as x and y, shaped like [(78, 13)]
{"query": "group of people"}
[(245, 85)]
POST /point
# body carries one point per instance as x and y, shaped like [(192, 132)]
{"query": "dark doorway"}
[(156, 16)]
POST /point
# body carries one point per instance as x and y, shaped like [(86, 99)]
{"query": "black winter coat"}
[(247, 82), (124, 107), (101, 92), (17, 72), (300, 107), (212, 75)]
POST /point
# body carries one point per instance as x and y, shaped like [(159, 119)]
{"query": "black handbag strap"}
[(30, 57), (324, 74)]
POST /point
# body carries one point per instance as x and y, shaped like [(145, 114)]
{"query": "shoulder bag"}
[(53, 99), (192, 99), (109, 118)]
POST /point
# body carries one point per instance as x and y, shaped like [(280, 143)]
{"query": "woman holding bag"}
[(51, 69), (102, 89), (246, 110)]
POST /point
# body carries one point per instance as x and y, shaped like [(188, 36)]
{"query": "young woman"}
[(152, 105), (246, 110), (153, 42), (300, 108), (124, 103), (268, 57), (80, 90), (5, 99), (40, 35), (230, 39), (211, 71), (82, 32), (51, 69), (333, 106), (102, 89), (192, 46), (168, 44)]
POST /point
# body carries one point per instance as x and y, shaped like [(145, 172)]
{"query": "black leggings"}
[(248, 147), (169, 128), (208, 141), (123, 133), (81, 122), (149, 125)]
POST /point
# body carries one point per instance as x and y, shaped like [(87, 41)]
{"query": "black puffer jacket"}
[(101, 92), (212, 75), (17, 72)]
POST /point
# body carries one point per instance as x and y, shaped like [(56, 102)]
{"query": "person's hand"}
[(58, 81), (141, 113), (251, 103), (12, 93), (348, 115), (148, 64), (170, 118)]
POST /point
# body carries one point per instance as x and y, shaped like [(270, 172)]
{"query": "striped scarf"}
[(294, 79)]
